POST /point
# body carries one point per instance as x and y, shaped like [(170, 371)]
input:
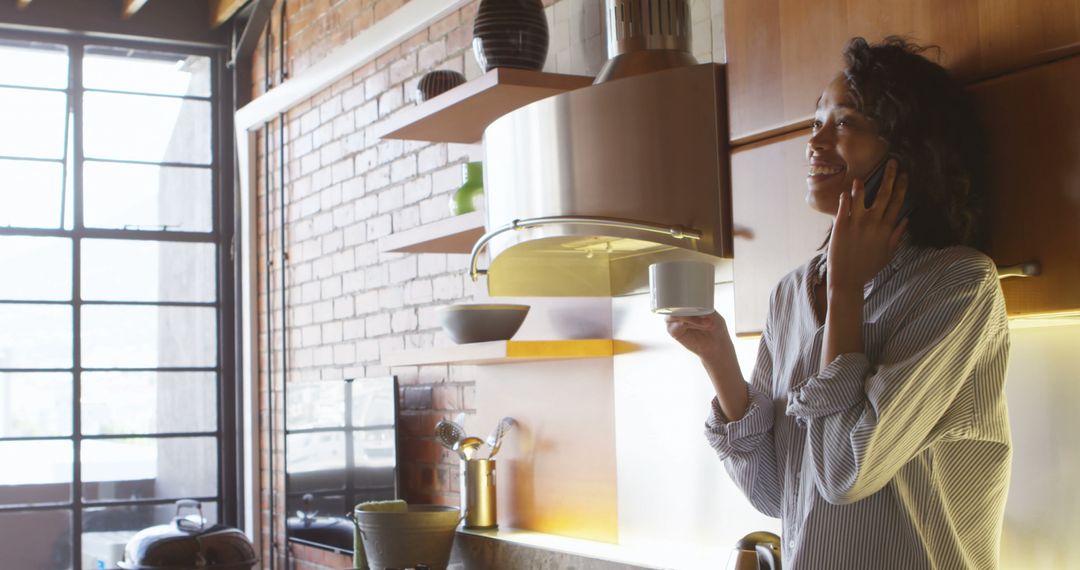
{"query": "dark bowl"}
[(438, 82), (482, 323)]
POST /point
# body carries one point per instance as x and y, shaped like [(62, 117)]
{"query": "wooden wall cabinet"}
[(781, 53)]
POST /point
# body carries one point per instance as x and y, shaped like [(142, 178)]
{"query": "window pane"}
[(148, 337), (36, 539), (142, 270), (148, 402), (35, 404), (145, 468), (145, 196), (31, 195), (33, 64), (33, 123), (146, 128), (35, 268), (375, 457), (123, 69), (35, 336), (315, 405), (316, 460), (42, 472)]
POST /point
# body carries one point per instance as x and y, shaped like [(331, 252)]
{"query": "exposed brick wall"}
[(349, 303)]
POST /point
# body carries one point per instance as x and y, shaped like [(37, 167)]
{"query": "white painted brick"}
[(332, 332), (352, 189), (366, 302), (301, 186), (301, 230), (406, 218), (412, 96), (323, 356), (301, 358), (403, 269), (430, 55), (457, 152), (309, 206), (322, 179), (365, 161), (300, 272), (309, 121), (366, 114), (353, 329), (391, 344), (377, 178), (473, 289), (311, 335), (344, 353), (391, 297), (366, 254), (390, 101), (322, 268), (301, 146), (352, 281), (434, 209), (331, 287), (376, 83), (379, 226), (391, 199), (343, 308), (377, 276), (309, 163), (330, 197), (390, 150), (403, 321), (342, 170), (300, 315), (330, 109), (378, 324), (310, 249), (428, 317), (323, 312), (310, 292), (417, 189), (403, 68), (331, 242), (431, 157), (447, 287), (367, 350), (418, 292), (355, 234), (447, 179), (322, 135), (322, 223), (431, 263), (330, 375), (419, 340), (352, 97), (342, 261), (460, 263), (403, 168), (354, 142), (472, 70)]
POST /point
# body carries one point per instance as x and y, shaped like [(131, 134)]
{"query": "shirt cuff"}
[(744, 434), (833, 389)]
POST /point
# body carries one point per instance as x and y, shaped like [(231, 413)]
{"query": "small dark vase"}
[(510, 33)]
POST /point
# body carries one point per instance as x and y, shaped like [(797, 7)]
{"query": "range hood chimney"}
[(645, 36), (585, 189)]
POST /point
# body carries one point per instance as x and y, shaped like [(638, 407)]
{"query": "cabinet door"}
[(1033, 119), (775, 229), (781, 53)]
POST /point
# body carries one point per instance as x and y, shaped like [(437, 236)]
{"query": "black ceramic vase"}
[(510, 33)]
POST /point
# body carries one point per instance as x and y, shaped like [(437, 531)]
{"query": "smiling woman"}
[(874, 424)]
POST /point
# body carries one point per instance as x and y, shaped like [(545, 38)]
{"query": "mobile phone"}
[(873, 183)]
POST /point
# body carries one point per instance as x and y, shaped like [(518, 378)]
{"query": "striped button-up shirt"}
[(896, 457)]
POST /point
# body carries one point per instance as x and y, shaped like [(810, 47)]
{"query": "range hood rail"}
[(675, 232)]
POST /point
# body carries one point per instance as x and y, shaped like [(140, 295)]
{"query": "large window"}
[(115, 335)]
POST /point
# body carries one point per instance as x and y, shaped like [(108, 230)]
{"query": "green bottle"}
[(466, 198)]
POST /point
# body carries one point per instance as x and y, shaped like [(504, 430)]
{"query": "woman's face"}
[(844, 145)]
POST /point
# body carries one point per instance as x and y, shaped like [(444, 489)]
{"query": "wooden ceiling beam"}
[(132, 6), (222, 11)]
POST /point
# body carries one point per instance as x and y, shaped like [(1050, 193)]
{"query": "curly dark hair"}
[(928, 119)]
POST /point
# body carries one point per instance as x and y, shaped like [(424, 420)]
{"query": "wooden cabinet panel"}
[(1033, 119), (775, 229), (781, 53)]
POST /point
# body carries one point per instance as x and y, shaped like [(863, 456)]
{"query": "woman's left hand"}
[(864, 239)]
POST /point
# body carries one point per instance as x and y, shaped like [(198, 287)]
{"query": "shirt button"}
[(791, 544)]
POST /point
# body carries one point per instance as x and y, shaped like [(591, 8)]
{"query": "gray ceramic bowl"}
[(482, 323)]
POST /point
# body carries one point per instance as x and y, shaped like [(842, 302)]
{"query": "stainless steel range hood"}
[(585, 189)]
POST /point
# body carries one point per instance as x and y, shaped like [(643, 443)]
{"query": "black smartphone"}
[(873, 183)]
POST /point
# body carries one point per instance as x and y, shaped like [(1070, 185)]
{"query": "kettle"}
[(756, 551)]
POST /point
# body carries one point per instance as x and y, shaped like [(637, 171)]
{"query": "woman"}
[(874, 424)]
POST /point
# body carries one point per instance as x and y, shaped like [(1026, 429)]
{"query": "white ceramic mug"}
[(681, 288)]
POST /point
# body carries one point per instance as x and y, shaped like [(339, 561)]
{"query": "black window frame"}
[(230, 447)]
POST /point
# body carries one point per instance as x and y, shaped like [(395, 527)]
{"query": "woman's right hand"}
[(705, 336)]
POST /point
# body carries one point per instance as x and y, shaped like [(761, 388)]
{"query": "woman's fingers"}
[(897, 202)]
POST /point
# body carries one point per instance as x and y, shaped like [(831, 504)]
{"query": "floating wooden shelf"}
[(455, 234), (461, 114), (504, 351)]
